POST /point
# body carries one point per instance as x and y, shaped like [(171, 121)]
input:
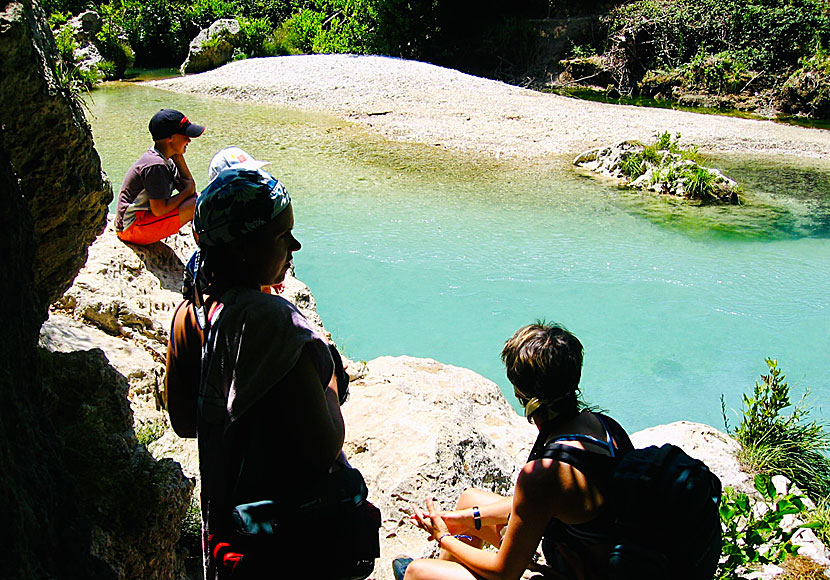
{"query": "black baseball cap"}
[(169, 122)]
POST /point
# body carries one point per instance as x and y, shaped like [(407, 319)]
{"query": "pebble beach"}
[(419, 102)]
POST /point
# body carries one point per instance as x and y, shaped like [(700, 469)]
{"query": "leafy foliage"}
[(191, 533), (631, 164), (698, 181), (790, 444), (675, 170), (257, 38), (150, 431), (716, 39), (753, 536)]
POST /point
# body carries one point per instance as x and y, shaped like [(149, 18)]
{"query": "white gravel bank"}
[(420, 102)]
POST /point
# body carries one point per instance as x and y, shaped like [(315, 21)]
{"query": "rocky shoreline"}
[(419, 102), (443, 428), (87, 499)]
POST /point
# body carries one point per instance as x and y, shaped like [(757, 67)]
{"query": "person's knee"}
[(471, 497), (417, 570)]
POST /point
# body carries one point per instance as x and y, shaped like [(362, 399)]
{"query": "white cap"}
[(232, 157)]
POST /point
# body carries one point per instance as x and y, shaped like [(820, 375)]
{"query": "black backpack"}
[(664, 504)]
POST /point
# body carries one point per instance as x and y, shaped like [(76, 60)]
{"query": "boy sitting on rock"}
[(148, 210)]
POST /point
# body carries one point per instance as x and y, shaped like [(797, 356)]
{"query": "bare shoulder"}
[(543, 477), (564, 490)]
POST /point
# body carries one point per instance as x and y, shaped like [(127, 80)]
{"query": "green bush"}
[(734, 35), (66, 43), (719, 73), (150, 431), (191, 532), (334, 26), (753, 537), (698, 182), (299, 31), (113, 42), (773, 442), (257, 38), (156, 31), (632, 166), (202, 13)]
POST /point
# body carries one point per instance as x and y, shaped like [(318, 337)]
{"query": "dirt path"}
[(420, 102)]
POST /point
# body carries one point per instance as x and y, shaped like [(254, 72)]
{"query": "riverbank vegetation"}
[(778, 437), (752, 54), (664, 167), (775, 442)]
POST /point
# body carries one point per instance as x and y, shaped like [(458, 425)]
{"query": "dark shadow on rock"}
[(162, 261)]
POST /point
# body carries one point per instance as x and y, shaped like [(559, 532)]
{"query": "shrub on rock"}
[(662, 167)]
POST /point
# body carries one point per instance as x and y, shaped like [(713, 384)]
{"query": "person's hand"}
[(433, 523), (458, 522)]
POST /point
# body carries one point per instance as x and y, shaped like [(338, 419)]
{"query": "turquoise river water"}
[(413, 250)]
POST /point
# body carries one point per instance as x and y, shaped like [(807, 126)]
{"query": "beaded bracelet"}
[(456, 536)]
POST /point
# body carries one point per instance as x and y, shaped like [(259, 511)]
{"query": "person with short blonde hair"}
[(560, 502)]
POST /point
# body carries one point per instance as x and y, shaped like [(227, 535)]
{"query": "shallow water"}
[(413, 250)]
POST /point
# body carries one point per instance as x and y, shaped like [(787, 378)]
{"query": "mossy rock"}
[(589, 70), (659, 83), (807, 91)]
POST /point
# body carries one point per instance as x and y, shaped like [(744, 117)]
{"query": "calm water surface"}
[(413, 250)]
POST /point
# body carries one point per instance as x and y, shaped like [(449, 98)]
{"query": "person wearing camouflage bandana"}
[(267, 412)]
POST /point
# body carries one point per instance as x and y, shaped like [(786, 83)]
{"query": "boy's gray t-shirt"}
[(153, 176)]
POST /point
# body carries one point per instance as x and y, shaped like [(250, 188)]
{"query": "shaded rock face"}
[(49, 144), (81, 497), (130, 505), (807, 92)]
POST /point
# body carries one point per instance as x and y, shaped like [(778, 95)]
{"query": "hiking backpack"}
[(665, 507)]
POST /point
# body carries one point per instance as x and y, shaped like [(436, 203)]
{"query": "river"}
[(410, 249)]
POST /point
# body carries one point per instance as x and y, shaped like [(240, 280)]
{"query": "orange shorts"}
[(149, 228)]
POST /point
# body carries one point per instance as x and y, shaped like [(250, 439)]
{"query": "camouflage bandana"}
[(236, 203)]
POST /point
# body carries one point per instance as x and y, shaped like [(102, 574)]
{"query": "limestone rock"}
[(131, 291), (108, 58), (133, 504), (49, 144), (442, 429), (142, 368), (714, 448), (212, 47)]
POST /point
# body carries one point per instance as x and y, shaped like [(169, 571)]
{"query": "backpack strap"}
[(594, 464)]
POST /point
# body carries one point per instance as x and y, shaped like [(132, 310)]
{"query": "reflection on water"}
[(411, 249)]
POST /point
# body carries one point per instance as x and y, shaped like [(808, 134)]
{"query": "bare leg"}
[(490, 534), (186, 210), (437, 570)]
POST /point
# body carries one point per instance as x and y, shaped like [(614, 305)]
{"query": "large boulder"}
[(131, 291), (212, 47), (132, 505), (81, 497), (103, 50), (443, 429), (49, 144)]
